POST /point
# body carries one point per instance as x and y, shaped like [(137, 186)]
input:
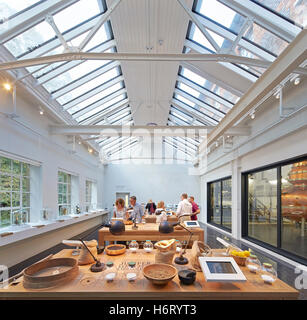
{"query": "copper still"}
[(294, 197)]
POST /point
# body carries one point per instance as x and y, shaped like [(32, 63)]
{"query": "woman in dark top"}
[(151, 207)]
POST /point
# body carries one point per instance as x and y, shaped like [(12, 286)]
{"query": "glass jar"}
[(268, 273), (133, 246), (148, 246), (131, 272), (253, 264), (178, 246), (110, 272)]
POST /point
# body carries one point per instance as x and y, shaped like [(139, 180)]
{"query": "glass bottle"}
[(178, 246), (268, 273), (133, 246), (131, 272), (148, 246), (110, 272), (253, 264)]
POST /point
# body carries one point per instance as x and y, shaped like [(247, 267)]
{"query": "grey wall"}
[(153, 181)]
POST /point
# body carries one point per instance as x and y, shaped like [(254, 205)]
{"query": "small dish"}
[(187, 276)]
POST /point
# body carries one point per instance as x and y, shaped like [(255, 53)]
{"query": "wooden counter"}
[(148, 231), (89, 285)]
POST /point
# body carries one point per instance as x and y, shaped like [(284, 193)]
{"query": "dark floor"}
[(284, 270)]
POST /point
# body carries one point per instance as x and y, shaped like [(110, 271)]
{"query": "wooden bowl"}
[(159, 273), (50, 273), (115, 249)]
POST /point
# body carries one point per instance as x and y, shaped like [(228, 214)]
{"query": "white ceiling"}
[(148, 26)]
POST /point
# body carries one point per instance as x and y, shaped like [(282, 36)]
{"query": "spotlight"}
[(217, 144), (7, 86), (277, 96), (297, 81), (41, 111), (253, 115), (90, 150)]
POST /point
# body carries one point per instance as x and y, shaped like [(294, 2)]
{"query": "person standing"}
[(195, 208), (137, 212), (184, 207), (151, 207)]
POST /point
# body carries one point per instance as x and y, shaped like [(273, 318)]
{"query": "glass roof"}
[(94, 91)]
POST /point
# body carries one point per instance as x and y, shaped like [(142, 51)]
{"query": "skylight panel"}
[(100, 108), (30, 39), (219, 13), (9, 8), (293, 10), (188, 89), (76, 14), (88, 86), (266, 39)]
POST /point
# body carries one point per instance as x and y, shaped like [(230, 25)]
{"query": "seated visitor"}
[(120, 210)]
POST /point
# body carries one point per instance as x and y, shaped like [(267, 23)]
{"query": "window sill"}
[(17, 233)]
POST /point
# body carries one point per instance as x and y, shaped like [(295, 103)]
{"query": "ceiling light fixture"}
[(253, 115), (7, 86), (297, 81)]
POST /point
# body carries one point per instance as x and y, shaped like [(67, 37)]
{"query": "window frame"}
[(244, 208)]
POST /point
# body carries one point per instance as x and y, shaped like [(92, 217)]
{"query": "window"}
[(90, 195), (275, 211), (14, 192), (219, 203), (64, 193)]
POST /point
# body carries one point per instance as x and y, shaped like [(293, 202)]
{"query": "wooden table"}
[(89, 285), (148, 231)]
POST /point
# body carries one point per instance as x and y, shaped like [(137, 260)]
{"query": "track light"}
[(7, 86), (297, 81), (90, 150), (253, 115), (41, 111)]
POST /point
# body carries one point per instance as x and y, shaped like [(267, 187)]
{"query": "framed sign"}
[(191, 224), (221, 269)]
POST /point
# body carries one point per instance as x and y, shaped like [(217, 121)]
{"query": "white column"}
[(236, 198)]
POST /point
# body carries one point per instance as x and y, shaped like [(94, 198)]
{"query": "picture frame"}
[(221, 269)]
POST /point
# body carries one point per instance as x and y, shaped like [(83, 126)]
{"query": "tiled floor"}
[(285, 271)]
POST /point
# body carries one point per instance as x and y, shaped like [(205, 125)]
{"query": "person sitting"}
[(160, 208), (120, 210), (150, 207), (184, 210)]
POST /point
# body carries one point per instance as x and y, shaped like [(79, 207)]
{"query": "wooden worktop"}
[(148, 231), (90, 285)]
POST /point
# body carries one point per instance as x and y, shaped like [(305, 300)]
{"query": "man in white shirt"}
[(184, 207)]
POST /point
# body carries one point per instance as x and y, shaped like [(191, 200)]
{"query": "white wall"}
[(273, 139), (27, 136), (157, 182)]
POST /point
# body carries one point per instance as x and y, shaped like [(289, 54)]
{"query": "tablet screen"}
[(220, 267)]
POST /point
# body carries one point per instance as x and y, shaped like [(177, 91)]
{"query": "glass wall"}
[(294, 208), (219, 203), (275, 207), (64, 193), (262, 206), (90, 195), (14, 192)]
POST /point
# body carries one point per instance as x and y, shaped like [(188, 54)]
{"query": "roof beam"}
[(99, 24), (69, 65), (202, 29), (141, 131), (285, 64), (210, 77), (232, 37), (166, 57), (79, 82), (29, 18), (270, 21), (201, 104), (93, 92), (99, 103), (205, 92), (113, 109)]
